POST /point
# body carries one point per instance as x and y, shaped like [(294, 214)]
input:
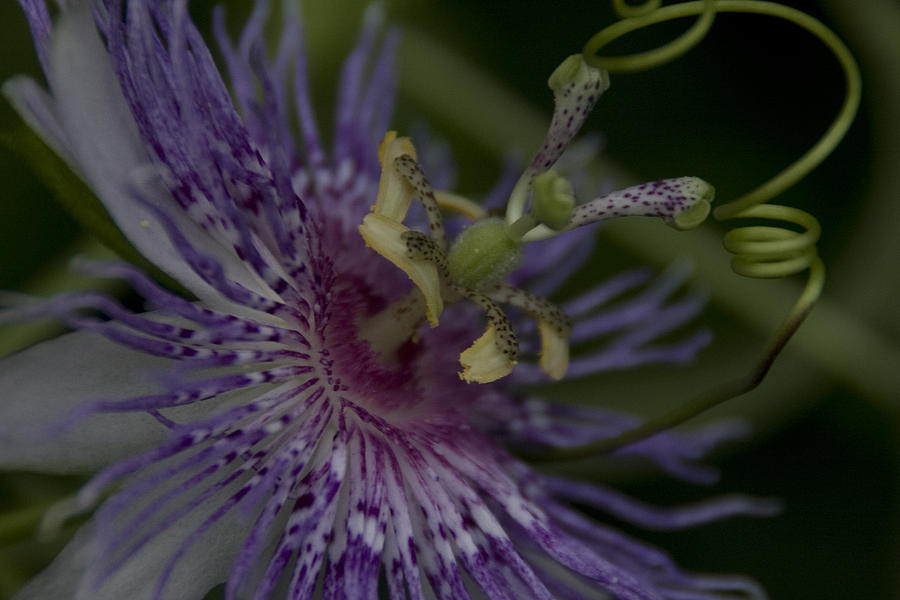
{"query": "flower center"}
[(482, 257)]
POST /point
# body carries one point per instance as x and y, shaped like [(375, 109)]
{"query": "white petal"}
[(109, 153), (62, 576), (205, 564), (38, 109), (40, 386)]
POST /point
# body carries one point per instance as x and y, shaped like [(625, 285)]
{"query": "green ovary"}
[(483, 255)]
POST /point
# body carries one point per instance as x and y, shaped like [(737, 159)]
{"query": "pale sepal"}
[(205, 563), (109, 154), (42, 386)]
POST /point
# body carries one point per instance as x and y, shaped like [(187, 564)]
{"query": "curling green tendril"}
[(638, 17), (625, 10), (760, 251)]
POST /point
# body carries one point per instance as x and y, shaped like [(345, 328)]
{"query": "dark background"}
[(752, 98)]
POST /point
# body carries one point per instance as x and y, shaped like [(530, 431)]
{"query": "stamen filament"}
[(412, 172), (553, 324), (496, 352)]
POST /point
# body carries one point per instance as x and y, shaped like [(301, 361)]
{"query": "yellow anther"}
[(394, 194), (383, 228), (554, 350), (384, 236), (483, 362)]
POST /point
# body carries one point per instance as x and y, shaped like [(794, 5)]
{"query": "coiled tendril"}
[(760, 251)]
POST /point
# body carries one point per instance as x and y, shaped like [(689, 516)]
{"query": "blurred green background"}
[(744, 104)]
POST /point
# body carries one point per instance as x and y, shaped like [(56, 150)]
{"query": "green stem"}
[(713, 397)]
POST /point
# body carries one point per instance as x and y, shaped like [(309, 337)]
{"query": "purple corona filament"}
[(251, 435)]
